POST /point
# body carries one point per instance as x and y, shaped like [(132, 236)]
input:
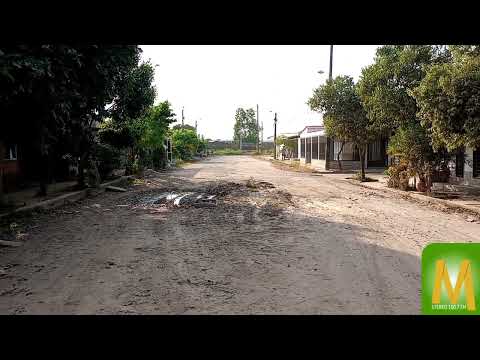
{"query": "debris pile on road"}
[(259, 193), (253, 184)]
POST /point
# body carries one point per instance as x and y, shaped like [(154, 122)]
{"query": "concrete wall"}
[(468, 178), (346, 165), (318, 164)]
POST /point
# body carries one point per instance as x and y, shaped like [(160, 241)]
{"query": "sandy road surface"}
[(310, 245)]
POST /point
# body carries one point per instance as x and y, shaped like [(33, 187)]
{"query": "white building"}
[(313, 142)]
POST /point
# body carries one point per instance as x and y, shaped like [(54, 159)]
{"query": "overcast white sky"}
[(211, 82)]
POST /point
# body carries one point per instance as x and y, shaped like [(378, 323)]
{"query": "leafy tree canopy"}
[(385, 86), (343, 114), (344, 117), (449, 99), (185, 126), (185, 143)]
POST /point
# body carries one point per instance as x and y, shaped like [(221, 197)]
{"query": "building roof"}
[(308, 131), (312, 128), (287, 135)]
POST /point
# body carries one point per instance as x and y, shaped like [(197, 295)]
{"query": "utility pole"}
[(327, 145), (331, 62), (183, 118), (262, 133), (195, 126), (258, 134), (275, 137)]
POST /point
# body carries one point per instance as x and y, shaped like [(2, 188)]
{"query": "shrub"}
[(399, 176), (185, 143), (108, 159)]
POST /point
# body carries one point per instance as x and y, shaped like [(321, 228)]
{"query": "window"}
[(349, 152), (321, 149), (302, 148), (11, 152), (308, 149), (315, 148)]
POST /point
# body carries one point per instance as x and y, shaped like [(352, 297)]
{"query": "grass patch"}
[(228, 152)]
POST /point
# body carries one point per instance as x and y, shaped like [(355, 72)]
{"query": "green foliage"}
[(136, 95), (54, 94), (108, 159), (385, 86), (344, 117), (449, 100), (245, 126), (399, 175), (156, 123), (185, 143), (387, 92), (184, 126), (411, 144)]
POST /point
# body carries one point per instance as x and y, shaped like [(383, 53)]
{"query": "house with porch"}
[(313, 142)]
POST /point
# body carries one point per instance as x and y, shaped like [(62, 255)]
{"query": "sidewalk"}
[(58, 195), (27, 197), (469, 203)]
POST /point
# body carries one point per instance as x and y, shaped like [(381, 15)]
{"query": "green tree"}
[(343, 115), (449, 100), (185, 126), (185, 143), (386, 87), (128, 113), (245, 127), (156, 128), (412, 145), (54, 94)]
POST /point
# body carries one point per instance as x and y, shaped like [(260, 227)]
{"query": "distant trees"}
[(245, 127), (184, 126)]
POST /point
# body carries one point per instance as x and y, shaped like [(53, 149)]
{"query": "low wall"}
[(346, 165)]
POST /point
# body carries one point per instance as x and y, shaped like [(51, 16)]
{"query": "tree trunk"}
[(81, 170), (130, 160), (338, 156), (362, 164), (44, 165)]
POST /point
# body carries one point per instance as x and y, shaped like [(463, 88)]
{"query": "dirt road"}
[(309, 244)]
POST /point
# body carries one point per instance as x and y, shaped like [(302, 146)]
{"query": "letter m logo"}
[(464, 278)]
